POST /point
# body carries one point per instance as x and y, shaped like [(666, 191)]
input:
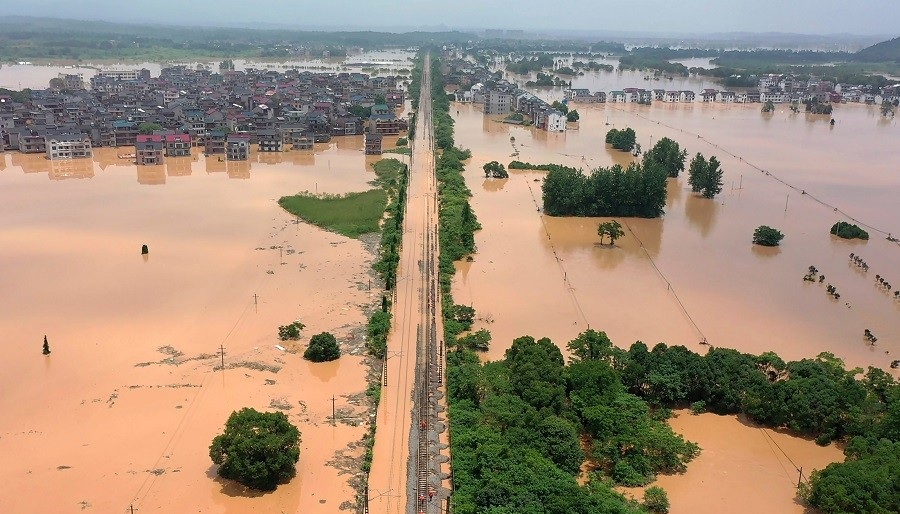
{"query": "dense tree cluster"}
[(494, 169), (621, 139), (637, 190), (322, 348), (517, 428), (705, 177), (257, 449), (517, 420), (765, 235), (846, 230), (667, 154)]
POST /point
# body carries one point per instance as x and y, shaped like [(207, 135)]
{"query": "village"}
[(499, 96), (224, 113)]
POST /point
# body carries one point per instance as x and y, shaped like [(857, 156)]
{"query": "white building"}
[(67, 146), (556, 121)]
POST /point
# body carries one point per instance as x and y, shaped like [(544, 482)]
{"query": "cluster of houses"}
[(183, 108), (476, 84)]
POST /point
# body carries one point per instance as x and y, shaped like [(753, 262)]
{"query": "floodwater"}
[(123, 410), (38, 75), (694, 275), (740, 460)]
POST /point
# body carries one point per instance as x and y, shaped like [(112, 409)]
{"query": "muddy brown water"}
[(748, 468), (694, 273), (123, 410)]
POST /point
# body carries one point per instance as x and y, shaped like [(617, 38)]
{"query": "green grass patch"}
[(351, 215), (402, 150)]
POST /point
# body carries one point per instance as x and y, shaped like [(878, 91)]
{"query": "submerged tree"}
[(322, 348), (46, 350), (258, 449), (705, 177), (767, 236), (611, 229), (494, 169), (668, 154)]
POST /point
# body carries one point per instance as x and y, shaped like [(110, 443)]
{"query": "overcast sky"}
[(646, 16)]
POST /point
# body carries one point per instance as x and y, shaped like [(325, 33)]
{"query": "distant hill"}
[(886, 51)]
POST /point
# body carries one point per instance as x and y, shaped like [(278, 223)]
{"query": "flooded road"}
[(123, 410)]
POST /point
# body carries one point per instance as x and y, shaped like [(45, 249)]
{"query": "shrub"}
[(656, 500), (291, 331)]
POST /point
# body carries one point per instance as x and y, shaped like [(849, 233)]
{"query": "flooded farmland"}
[(693, 275), (123, 410)]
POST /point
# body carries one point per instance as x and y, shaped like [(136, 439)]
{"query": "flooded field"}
[(123, 410), (694, 275)]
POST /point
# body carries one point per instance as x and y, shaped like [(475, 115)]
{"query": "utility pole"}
[(786, 202), (222, 351), (800, 478), (255, 299), (333, 412)]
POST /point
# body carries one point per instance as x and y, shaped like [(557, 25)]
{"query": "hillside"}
[(886, 51)]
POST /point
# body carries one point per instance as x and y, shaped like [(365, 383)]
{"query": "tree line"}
[(638, 190), (516, 423)]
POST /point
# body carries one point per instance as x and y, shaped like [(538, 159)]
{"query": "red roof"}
[(143, 138), (178, 138)]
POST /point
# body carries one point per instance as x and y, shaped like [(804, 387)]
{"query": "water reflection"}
[(71, 168), (151, 175), (179, 166), (238, 169), (494, 184), (701, 212)]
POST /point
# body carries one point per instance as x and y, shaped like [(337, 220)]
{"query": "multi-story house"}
[(270, 140), (67, 146), (148, 149), (178, 145), (237, 147)]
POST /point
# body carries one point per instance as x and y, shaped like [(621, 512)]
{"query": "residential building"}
[(148, 149), (178, 145), (67, 146), (373, 143), (270, 140), (237, 147), (498, 102)]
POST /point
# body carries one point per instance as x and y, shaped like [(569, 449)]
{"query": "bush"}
[(258, 449), (402, 141), (292, 331), (698, 407), (845, 230), (322, 348), (656, 500), (767, 236)]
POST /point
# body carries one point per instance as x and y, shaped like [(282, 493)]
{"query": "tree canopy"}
[(767, 236), (257, 449), (705, 177), (667, 154), (322, 347), (637, 190), (622, 139), (494, 169), (611, 229)]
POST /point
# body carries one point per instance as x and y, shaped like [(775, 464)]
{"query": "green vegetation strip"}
[(352, 214)]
